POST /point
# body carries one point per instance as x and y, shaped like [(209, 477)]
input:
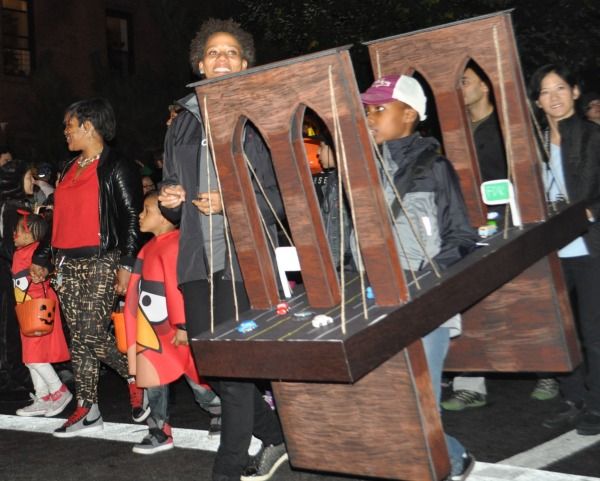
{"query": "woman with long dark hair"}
[(571, 173)]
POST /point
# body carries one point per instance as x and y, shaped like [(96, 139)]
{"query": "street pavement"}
[(506, 438)]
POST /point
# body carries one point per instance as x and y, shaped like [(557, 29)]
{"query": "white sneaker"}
[(60, 398), (83, 420), (39, 406)]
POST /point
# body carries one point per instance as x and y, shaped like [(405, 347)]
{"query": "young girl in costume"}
[(158, 351), (51, 395)]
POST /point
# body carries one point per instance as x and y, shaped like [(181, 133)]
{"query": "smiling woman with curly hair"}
[(220, 48), (212, 26)]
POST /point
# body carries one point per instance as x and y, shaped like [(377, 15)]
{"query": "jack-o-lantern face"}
[(46, 314)]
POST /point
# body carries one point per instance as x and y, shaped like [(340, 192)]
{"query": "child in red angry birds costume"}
[(158, 351)]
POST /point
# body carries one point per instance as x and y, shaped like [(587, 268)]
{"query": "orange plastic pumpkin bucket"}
[(120, 336), (36, 316)]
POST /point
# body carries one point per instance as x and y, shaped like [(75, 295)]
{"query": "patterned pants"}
[(85, 288)]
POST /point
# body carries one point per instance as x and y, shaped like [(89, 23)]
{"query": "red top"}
[(76, 221)]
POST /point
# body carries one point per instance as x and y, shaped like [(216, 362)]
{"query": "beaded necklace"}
[(88, 160)]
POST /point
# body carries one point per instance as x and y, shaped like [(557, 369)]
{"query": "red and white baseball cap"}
[(397, 87)]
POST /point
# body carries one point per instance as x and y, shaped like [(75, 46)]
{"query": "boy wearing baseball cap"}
[(431, 198)]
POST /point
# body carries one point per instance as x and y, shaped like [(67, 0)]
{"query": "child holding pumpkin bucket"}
[(39, 351)]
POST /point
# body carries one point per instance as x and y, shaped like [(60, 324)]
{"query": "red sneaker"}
[(156, 441), (83, 419), (139, 413)]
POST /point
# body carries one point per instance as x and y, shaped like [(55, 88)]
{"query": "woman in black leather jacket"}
[(571, 172), (95, 238)]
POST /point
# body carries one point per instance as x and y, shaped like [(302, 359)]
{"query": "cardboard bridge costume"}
[(369, 363)]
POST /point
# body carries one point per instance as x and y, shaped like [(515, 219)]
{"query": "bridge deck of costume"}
[(516, 314)]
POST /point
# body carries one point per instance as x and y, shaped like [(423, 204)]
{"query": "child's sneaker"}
[(83, 420), (139, 413), (156, 440), (60, 398), (39, 406)]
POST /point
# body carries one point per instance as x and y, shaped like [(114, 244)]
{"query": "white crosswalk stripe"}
[(552, 451), (524, 466), (128, 433)]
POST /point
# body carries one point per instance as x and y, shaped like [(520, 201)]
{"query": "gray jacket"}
[(432, 200), (185, 150)]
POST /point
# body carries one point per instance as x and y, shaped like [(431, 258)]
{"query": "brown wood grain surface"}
[(493, 339), (516, 312), (273, 98), (319, 435)]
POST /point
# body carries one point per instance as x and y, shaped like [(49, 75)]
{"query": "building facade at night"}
[(49, 45)]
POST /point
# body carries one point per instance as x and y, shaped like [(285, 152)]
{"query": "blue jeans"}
[(158, 400), (436, 345)]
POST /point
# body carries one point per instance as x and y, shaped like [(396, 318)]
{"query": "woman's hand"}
[(38, 273), (206, 206), (121, 281), (171, 196)]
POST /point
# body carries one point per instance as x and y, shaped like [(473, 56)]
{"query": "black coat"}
[(120, 203), (580, 150), (183, 144), (490, 149)]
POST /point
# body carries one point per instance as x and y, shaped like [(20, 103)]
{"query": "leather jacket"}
[(580, 146), (121, 201)]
